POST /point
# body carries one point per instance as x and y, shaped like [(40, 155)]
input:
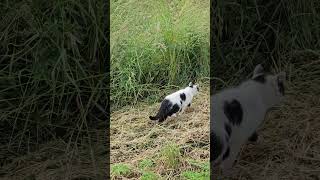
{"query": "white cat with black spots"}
[(237, 112), (176, 102)]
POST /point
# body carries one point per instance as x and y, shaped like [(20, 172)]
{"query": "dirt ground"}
[(289, 140), (135, 137)]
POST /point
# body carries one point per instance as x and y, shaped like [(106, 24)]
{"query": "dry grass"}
[(288, 146), (289, 141), (53, 89), (57, 160), (134, 137)]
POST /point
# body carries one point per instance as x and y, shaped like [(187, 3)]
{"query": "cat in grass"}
[(237, 112), (176, 102)]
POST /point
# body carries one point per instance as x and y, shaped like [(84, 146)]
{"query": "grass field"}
[(53, 86), (53, 89), (175, 149), (156, 46), (282, 35)]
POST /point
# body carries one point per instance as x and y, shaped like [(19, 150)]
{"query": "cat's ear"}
[(190, 84), (258, 71)]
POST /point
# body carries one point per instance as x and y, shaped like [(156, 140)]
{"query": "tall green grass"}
[(256, 31), (52, 78), (155, 44)]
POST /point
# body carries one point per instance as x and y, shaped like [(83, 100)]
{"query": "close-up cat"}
[(237, 112)]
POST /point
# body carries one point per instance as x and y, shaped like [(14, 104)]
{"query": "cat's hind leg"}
[(162, 119), (229, 158)]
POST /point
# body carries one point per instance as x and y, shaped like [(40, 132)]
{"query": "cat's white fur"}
[(175, 100), (255, 98), (189, 91)]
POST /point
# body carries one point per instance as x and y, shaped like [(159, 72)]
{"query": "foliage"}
[(154, 45), (120, 170)]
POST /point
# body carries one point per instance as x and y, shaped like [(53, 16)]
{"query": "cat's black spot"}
[(175, 108), (261, 79), (215, 147), (281, 87), (189, 104), (183, 96), (228, 129), (163, 111), (253, 137), (233, 111), (226, 154)]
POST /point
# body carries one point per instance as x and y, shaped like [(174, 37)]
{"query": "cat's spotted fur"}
[(176, 102), (237, 112)]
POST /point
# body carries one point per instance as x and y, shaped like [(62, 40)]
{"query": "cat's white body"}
[(176, 99), (237, 113), (176, 102)]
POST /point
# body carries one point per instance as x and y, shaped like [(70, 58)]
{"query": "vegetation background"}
[(282, 35), (158, 47), (53, 89), (53, 85)]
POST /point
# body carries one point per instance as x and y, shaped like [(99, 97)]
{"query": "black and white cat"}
[(176, 102), (237, 112)]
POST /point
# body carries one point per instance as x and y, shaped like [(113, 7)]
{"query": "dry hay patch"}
[(134, 137), (54, 161)]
